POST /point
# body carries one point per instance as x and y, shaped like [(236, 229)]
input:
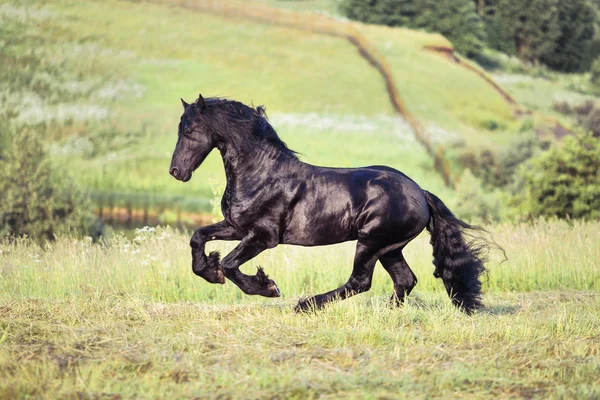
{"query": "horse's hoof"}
[(273, 289), (304, 306), (220, 276)]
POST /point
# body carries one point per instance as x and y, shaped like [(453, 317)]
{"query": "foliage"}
[(496, 169), (475, 204), (380, 12), (595, 73), (557, 33), (586, 113), (563, 182), (527, 29), (576, 20), (591, 123), (455, 19), (36, 199)]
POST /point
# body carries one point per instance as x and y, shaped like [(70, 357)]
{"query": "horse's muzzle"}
[(181, 175)]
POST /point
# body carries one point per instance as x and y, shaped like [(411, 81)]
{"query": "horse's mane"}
[(233, 115)]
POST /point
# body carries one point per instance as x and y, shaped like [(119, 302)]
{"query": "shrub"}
[(562, 106), (595, 73), (591, 123), (584, 109), (562, 182), (37, 199), (496, 169), (576, 21)]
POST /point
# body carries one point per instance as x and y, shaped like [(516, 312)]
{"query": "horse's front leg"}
[(248, 248), (209, 267)]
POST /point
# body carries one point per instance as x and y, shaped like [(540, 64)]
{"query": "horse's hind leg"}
[(402, 276), (360, 280)]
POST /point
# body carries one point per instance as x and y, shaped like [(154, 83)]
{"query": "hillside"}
[(325, 100)]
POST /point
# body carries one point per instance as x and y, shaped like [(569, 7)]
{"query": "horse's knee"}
[(198, 239)]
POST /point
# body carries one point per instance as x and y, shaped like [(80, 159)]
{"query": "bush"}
[(457, 20), (496, 169), (591, 123), (562, 106), (563, 182), (37, 199), (595, 70)]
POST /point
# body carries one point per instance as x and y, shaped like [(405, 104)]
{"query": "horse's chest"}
[(242, 212)]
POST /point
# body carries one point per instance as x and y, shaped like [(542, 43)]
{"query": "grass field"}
[(110, 91), (119, 132), (128, 319)]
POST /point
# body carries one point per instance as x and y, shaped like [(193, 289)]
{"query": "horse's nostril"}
[(175, 172)]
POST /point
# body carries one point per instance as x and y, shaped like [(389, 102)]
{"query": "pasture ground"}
[(114, 108), (128, 319)]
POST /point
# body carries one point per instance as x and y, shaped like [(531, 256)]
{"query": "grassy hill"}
[(324, 99), (126, 318), (152, 55)]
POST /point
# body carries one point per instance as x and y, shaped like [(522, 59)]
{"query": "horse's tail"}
[(457, 261)]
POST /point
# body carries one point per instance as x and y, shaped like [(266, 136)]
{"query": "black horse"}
[(274, 198)]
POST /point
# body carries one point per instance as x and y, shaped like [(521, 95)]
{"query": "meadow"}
[(128, 319), (114, 105)]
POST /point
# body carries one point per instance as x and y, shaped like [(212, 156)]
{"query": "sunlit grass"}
[(129, 319), (543, 256)]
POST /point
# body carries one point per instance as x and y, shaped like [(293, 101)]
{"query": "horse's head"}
[(195, 140)]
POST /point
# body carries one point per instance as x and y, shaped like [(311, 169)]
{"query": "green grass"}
[(441, 93), (329, 7), (127, 72), (172, 53), (540, 94), (137, 68), (129, 319)]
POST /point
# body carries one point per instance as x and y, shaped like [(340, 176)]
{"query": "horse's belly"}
[(319, 230)]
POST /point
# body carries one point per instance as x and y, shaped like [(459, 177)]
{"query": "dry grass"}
[(129, 320)]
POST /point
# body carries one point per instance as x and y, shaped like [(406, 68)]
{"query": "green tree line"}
[(564, 35)]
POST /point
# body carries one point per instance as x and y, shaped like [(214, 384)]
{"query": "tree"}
[(380, 12), (529, 28), (576, 21), (558, 33), (35, 198), (455, 19)]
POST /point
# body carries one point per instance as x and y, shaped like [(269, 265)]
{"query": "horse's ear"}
[(185, 105), (201, 103)]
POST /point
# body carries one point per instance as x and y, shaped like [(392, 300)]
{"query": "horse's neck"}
[(246, 166)]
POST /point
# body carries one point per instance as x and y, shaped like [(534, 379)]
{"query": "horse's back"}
[(390, 202)]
